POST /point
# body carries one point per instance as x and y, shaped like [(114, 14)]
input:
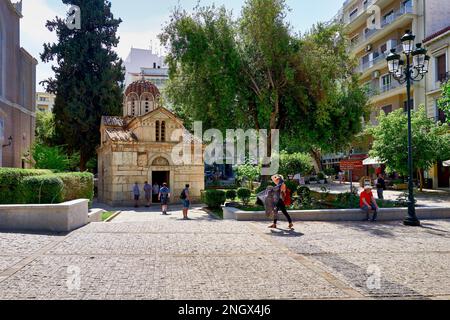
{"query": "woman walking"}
[(279, 197)]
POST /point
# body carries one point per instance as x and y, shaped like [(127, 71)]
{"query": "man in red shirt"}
[(367, 202)]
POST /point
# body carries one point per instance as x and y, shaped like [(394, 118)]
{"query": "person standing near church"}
[(186, 201), (148, 193), (136, 194), (163, 197), (155, 192)]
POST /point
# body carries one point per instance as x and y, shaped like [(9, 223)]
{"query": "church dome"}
[(142, 86)]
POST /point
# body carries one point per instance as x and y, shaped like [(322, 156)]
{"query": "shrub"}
[(231, 194), (214, 198), (10, 180), (77, 185), (244, 194), (45, 189), (321, 176), (291, 185), (294, 163), (46, 157)]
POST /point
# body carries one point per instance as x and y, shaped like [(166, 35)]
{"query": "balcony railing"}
[(364, 36), (373, 91), (381, 57)]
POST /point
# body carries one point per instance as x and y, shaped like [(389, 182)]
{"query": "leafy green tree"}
[(431, 141), (88, 76), (249, 173), (262, 75), (293, 163), (444, 102), (52, 158), (45, 128)]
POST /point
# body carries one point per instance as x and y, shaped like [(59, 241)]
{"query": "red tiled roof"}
[(436, 34), (142, 86)]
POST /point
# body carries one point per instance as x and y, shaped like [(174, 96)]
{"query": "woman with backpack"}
[(280, 195)]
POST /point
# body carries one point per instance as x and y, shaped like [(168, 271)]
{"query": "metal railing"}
[(364, 36), (380, 57)]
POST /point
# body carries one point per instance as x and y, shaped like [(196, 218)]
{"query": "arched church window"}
[(157, 130), (163, 131)]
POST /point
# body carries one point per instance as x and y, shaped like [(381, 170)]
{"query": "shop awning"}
[(446, 163), (372, 161)]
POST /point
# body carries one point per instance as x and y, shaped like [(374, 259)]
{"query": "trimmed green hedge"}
[(214, 198), (10, 181), (46, 189), (24, 186), (77, 185), (231, 194), (244, 194)]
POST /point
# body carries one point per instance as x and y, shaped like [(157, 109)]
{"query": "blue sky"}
[(142, 20)]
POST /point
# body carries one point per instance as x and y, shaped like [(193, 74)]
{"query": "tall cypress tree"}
[(89, 76)]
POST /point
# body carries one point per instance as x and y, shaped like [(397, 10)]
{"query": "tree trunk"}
[(317, 160), (420, 179), (83, 161)]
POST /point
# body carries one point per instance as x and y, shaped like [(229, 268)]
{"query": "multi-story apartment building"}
[(438, 45), (17, 89), (45, 102), (374, 27)]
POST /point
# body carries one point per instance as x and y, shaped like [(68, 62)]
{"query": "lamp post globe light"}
[(413, 68)]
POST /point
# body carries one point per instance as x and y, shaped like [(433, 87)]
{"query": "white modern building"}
[(148, 64)]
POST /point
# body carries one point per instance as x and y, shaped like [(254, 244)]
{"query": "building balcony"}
[(437, 85), (382, 92), (400, 18), (376, 63)]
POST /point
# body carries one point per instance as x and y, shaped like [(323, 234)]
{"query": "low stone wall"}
[(391, 214), (64, 217)]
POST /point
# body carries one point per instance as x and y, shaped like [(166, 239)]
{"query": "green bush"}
[(46, 157), (291, 185), (77, 185), (321, 176), (231, 194), (244, 194), (46, 189), (10, 180), (214, 198)]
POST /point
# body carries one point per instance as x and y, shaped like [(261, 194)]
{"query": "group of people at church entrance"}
[(161, 195)]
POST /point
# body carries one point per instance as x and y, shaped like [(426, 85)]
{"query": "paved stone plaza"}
[(142, 255)]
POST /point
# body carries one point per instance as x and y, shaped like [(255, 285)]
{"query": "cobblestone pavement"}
[(143, 255)]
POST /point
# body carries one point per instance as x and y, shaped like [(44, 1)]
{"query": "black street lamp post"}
[(408, 71)]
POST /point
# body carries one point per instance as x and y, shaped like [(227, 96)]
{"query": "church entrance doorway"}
[(160, 177)]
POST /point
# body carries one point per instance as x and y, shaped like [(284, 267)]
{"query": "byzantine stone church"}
[(138, 147)]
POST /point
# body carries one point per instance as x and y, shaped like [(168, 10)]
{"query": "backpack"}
[(287, 198), (183, 195)]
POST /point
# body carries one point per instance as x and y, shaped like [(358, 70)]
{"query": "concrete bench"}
[(390, 214), (63, 217)]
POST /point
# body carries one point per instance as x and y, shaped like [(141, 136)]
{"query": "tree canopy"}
[(431, 141), (444, 102), (88, 76), (255, 72)]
